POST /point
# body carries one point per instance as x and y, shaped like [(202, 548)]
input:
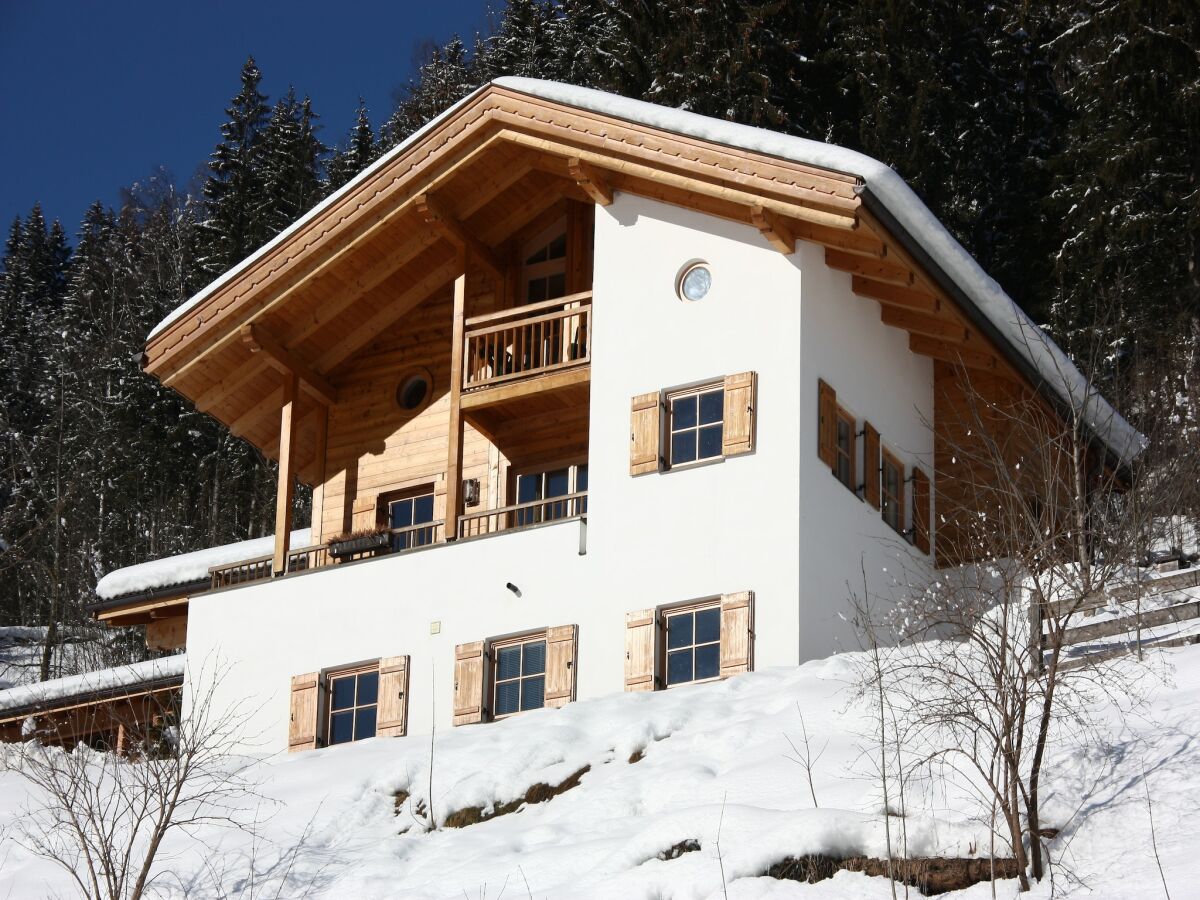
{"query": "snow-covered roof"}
[(1010, 325), (91, 683), (188, 567)]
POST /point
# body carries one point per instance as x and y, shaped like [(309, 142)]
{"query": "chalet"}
[(592, 395)]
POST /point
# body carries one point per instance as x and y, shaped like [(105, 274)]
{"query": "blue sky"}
[(96, 95)]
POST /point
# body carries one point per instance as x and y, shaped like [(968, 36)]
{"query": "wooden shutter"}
[(870, 464), (393, 697), (302, 728), (468, 683), (737, 633), (920, 514), (561, 642), (645, 432), (740, 402), (640, 637), (827, 424)]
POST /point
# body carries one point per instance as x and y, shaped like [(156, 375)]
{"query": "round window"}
[(695, 282), (414, 391)]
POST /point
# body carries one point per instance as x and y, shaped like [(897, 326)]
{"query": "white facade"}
[(774, 522)]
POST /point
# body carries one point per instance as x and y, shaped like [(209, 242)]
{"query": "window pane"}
[(342, 693), (683, 412), (581, 477), (422, 509), (712, 407), (534, 662), (508, 662), (364, 723), (843, 435), (708, 625), (679, 666), (401, 513), (557, 248), (679, 631), (708, 661), (710, 441), (368, 688), (341, 727), (508, 697), (843, 470), (539, 255), (556, 286), (537, 290), (683, 447), (558, 483), (529, 487), (533, 692)]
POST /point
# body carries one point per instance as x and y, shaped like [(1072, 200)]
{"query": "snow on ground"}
[(715, 763), (188, 567)]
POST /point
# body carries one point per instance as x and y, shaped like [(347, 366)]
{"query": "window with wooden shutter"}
[(846, 469), (468, 683), (561, 643), (305, 706), (892, 489), (393, 696), (920, 513), (645, 434), (827, 424), (871, 464), (740, 403), (737, 633), (641, 635)]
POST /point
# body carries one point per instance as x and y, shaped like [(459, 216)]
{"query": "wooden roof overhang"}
[(396, 235)]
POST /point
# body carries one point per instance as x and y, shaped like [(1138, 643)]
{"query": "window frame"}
[(383, 512), (691, 607), (547, 268), (328, 676), (669, 431), (842, 416), (886, 499), (571, 464), (492, 660)]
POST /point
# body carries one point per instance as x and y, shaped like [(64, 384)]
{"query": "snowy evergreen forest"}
[(1059, 141)]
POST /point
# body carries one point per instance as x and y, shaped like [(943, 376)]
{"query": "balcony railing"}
[(401, 540), (528, 340)]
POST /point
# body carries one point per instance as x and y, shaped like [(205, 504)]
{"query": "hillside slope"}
[(708, 760)]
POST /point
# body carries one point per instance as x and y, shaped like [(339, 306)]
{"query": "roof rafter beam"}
[(259, 340), (590, 181), (893, 295), (956, 355), (940, 327), (774, 229), (436, 215), (876, 269)]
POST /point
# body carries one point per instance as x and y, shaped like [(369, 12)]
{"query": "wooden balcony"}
[(527, 350), (517, 517)]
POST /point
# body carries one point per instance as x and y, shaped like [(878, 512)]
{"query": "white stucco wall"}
[(774, 521)]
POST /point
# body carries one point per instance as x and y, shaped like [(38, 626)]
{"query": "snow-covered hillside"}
[(708, 770)]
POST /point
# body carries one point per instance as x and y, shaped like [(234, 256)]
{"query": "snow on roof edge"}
[(1010, 322), (184, 568), (90, 682)]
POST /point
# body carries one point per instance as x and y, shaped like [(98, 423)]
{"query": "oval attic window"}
[(695, 282), (414, 391)]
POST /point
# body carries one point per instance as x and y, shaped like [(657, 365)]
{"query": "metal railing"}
[(527, 340)]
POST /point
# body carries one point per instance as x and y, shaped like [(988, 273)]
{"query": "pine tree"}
[(237, 220), (289, 163), (358, 151), (445, 78), (1127, 183)]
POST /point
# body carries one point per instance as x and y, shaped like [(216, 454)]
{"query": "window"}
[(893, 492), (519, 677), (694, 282), (414, 391), (693, 645), (407, 512), (544, 272), (696, 424), (353, 702), (847, 450), (546, 485)]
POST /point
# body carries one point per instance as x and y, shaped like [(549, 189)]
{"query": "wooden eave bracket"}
[(434, 214), (774, 229), (259, 340), (590, 181)]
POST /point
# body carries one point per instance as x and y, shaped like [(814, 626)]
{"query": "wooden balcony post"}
[(455, 453), (318, 483), (285, 492)]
